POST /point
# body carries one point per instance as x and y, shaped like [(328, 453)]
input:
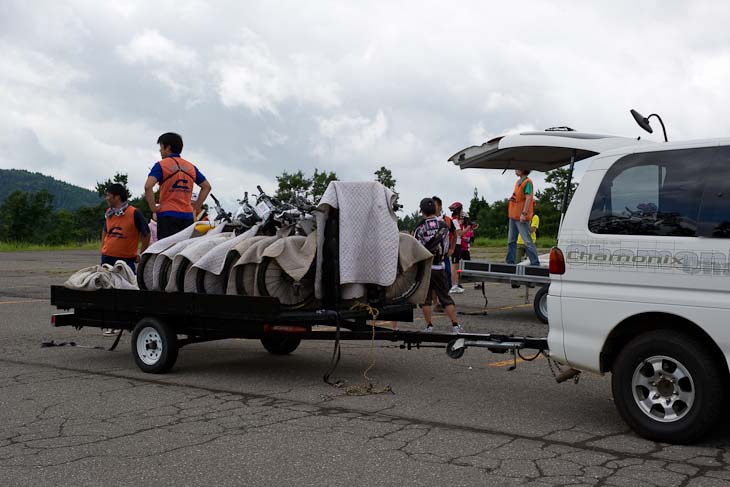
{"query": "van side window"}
[(715, 210), (655, 193)]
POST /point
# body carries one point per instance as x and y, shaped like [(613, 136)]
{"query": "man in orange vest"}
[(520, 210), (176, 177), (124, 227)]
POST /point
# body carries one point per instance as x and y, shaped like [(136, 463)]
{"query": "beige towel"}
[(294, 254), (119, 276)]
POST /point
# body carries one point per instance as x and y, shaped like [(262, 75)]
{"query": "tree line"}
[(30, 217)]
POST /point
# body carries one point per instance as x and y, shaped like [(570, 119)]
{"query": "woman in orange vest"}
[(124, 227), (176, 177), (520, 209)]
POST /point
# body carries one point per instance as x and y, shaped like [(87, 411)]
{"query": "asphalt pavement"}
[(229, 413)]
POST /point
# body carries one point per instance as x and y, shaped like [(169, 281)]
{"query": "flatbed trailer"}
[(514, 274), (161, 323)]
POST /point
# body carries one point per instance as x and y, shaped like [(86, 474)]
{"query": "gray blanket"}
[(368, 235)]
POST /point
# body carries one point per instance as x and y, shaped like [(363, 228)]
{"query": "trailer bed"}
[(167, 321)]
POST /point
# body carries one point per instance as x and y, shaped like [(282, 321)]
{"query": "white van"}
[(640, 279)]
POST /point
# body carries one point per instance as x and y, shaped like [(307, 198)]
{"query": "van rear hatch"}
[(538, 151)]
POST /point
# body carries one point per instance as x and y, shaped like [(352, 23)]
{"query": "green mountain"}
[(65, 195)]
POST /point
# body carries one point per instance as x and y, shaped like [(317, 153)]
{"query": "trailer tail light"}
[(557, 261), (285, 329), (53, 320)]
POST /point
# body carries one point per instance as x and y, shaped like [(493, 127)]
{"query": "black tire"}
[(674, 353), (180, 277), (278, 345), (165, 270), (406, 283), (154, 346), (273, 281), (143, 261), (245, 278), (540, 303), (200, 281), (455, 353)]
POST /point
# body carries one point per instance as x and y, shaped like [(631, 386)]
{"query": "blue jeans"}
[(522, 228), (447, 267)]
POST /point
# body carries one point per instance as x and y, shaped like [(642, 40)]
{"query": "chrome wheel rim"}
[(663, 389), (149, 346)]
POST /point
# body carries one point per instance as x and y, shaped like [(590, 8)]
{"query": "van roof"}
[(539, 151)]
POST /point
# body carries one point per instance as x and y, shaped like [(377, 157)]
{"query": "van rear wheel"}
[(540, 303), (667, 387)]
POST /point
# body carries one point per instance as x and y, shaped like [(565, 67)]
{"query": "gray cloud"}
[(258, 88)]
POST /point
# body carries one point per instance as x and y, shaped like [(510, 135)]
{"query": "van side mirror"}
[(644, 122)]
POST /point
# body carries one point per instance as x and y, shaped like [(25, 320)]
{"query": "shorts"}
[(438, 286), (465, 255), (169, 225), (456, 256)]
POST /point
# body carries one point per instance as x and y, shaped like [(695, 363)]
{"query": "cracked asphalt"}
[(231, 414)]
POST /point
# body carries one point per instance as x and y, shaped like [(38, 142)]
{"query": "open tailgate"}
[(538, 151)]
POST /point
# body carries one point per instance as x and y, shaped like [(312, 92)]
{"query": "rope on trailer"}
[(336, 354), (367, 387)]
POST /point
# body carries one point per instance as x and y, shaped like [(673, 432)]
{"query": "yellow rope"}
[(368, 388)]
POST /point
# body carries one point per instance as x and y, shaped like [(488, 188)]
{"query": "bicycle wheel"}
[(273, 281), (164, 276), (406, 282), (144, 271), (245, 279)]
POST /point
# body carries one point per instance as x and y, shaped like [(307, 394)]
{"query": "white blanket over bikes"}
[(368, 235)]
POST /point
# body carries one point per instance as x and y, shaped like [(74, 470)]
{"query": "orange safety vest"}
[(176, 187), (121, 236), (517, 201)]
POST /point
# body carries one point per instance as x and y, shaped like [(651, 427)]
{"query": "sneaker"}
[(456, 289), (428, 329), (478, 285), (457, 330)]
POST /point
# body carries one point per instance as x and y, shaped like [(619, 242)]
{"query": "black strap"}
[(179, 169)]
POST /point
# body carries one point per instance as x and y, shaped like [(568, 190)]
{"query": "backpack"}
[(435, 243)]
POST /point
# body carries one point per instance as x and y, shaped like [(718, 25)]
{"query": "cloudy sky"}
[(257, 88)]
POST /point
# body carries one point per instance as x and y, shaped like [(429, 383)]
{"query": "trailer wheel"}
[(667, 387), (278, 345), (540, 304), (454, 353), (154, 346)]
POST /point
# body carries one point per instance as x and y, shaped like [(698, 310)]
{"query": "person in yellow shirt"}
[(534, 224)]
